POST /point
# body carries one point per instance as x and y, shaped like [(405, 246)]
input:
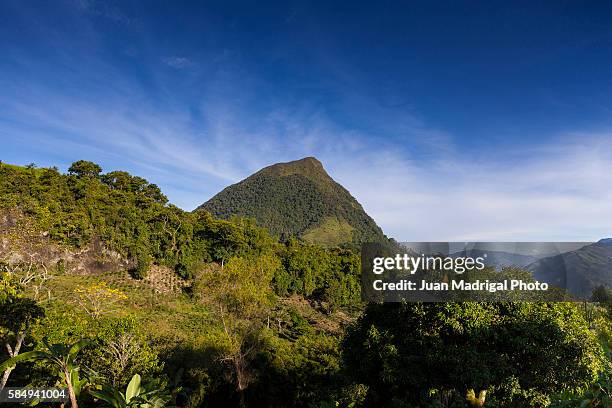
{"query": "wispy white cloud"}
[(102, 9), (554, 192), (178, 62)]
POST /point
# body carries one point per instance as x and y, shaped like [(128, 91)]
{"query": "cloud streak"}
[(178, 62), (556, 192), (552, 192)]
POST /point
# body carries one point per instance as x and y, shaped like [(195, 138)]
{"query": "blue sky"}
[(446, 120)]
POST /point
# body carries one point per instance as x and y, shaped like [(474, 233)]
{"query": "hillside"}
[(91, 223), (580, 271), (106, 255), (300, 199)]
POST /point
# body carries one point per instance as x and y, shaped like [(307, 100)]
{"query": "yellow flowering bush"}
[(98, 299)]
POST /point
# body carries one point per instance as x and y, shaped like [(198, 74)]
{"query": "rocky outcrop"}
[(20, 242)]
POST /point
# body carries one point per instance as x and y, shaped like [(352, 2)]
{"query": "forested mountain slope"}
[(298, 199), (580, 271)]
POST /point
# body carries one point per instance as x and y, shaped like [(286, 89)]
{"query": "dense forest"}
[(300, 199), (129, 301)]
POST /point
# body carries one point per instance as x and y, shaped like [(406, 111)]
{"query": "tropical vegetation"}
[(125, 300)]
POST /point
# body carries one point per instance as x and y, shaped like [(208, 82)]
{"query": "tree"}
[(241, 296), (98, 299), (603, 296), (143, 264), (61, 356), (511, 350), (17, 314), (84, 168), (32, 276), (119, 349), (121, 180)]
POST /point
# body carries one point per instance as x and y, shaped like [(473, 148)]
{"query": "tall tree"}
[(84, 168), (17, 314), (241, 296)]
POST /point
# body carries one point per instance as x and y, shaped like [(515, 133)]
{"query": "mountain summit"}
[(298, 198)]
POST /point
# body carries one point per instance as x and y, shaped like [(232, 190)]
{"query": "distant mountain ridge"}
[(498, 259), (580, 271), (298, 199)]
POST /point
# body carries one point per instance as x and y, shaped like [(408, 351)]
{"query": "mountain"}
[(299, 199), (498, 259), (580, 271)]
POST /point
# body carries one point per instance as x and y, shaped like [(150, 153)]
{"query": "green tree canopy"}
[(408, 352), (83, 168)]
